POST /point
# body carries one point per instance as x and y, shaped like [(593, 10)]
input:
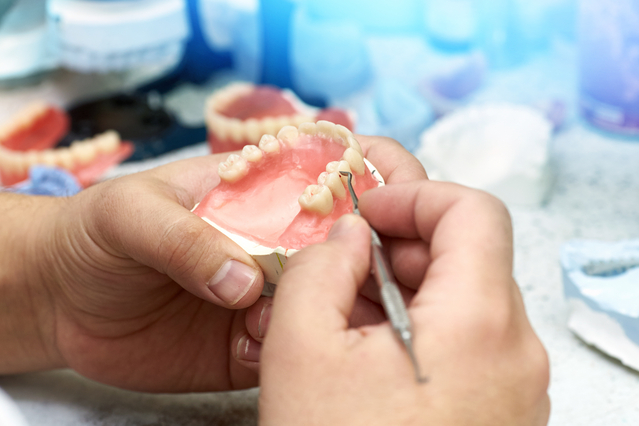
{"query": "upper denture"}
[(241, 113)]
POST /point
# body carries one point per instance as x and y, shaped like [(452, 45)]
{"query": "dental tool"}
[(391, 297)]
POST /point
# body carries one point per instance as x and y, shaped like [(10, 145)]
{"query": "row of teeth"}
[(23, 119), (316, 198), (79, 153), (244, 131)]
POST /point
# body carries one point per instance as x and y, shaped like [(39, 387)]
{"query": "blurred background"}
[(397, 67)]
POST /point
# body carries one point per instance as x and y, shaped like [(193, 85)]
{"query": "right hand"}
[(485, 364)]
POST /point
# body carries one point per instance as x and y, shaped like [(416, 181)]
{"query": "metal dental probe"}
[(391, 297)]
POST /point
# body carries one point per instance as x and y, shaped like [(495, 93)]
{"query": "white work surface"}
[(596, 195)]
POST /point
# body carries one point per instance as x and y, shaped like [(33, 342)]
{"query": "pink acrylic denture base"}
[(263, 206)]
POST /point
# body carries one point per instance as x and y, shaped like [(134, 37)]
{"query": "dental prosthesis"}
[(286, 192), (240, 113), (601, 286), (29, 137)]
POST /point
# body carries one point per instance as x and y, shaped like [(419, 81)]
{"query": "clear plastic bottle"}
[(609, 64)]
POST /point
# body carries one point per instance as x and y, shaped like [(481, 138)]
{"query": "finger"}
[(246, 351), (318, 288), (174, 241), (190, 179), (409, 260), (244, 364), (258, 317), (391, 159), (468, 228)]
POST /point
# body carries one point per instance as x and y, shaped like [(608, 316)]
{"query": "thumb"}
[(318, 288), (174, 241)]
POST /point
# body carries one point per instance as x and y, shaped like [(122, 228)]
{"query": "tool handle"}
[(391, 297)]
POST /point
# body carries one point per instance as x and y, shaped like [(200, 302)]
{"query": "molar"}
[(269, 144), (288, 135), (334, 182), (355, 161), (233, 169), (252, 153), (340, 166), (317, 199)]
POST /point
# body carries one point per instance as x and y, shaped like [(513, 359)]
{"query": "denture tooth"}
[(233, 169), (352, 143), (107, 142), (64, 158), (288, 135), (340, 166), (268, 126), (12, 163), (334, 183), (31, 157), (317, 199), (308, 128), (332, 166), (252, 153), (254, 130), (269, 144), (343, 134), (47, 158), (299, 119), (83, 152), (354, 160), (234, 129), (326, 128)]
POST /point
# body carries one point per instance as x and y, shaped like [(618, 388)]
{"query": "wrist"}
[(27, 309)]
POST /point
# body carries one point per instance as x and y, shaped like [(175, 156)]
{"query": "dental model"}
[(28, 138), (240, 113), (37, 126), (286, 193)]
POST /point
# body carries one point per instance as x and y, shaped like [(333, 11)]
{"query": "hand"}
[(145, 293), (397, 166), (122, 284), (472, 339)]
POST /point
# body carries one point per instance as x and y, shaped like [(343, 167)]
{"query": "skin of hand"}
[(484, 363), (125, 285)]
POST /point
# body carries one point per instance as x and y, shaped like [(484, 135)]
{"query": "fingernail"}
[(265, 318), (248, 349), (343, 226), (232, 281)]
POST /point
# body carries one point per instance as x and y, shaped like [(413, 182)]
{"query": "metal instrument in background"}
[(391, 297)]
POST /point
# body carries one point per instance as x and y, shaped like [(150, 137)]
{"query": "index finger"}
[(468, 231), (392, 160)]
